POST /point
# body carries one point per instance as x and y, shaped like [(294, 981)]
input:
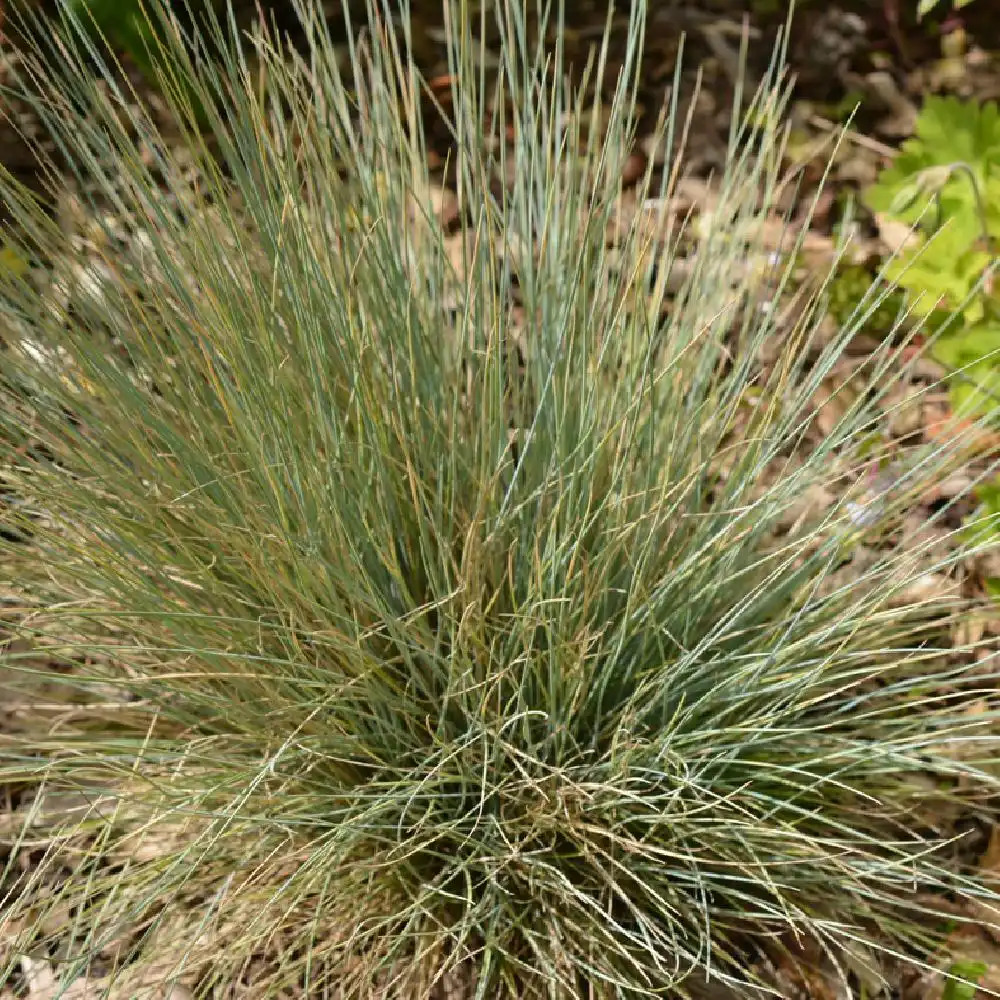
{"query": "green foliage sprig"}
[(123, 24), (924, 7), (946, 183)]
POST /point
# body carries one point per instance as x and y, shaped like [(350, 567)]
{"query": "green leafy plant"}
[(124, 24), (924, 7), (966, 979), (433, 610), (853, 284), (946, 183)]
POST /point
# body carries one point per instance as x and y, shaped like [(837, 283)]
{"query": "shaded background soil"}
[(869, 54)]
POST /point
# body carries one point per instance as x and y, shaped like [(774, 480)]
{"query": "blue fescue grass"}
[(413, 660)]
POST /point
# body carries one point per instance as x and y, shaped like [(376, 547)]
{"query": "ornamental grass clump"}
[(428, 604)]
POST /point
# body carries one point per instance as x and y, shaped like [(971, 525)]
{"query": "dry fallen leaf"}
[(39, 977), (895, 235), (803, 969), (968, 633), (436, 202), (832, 399), (925, 589)]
